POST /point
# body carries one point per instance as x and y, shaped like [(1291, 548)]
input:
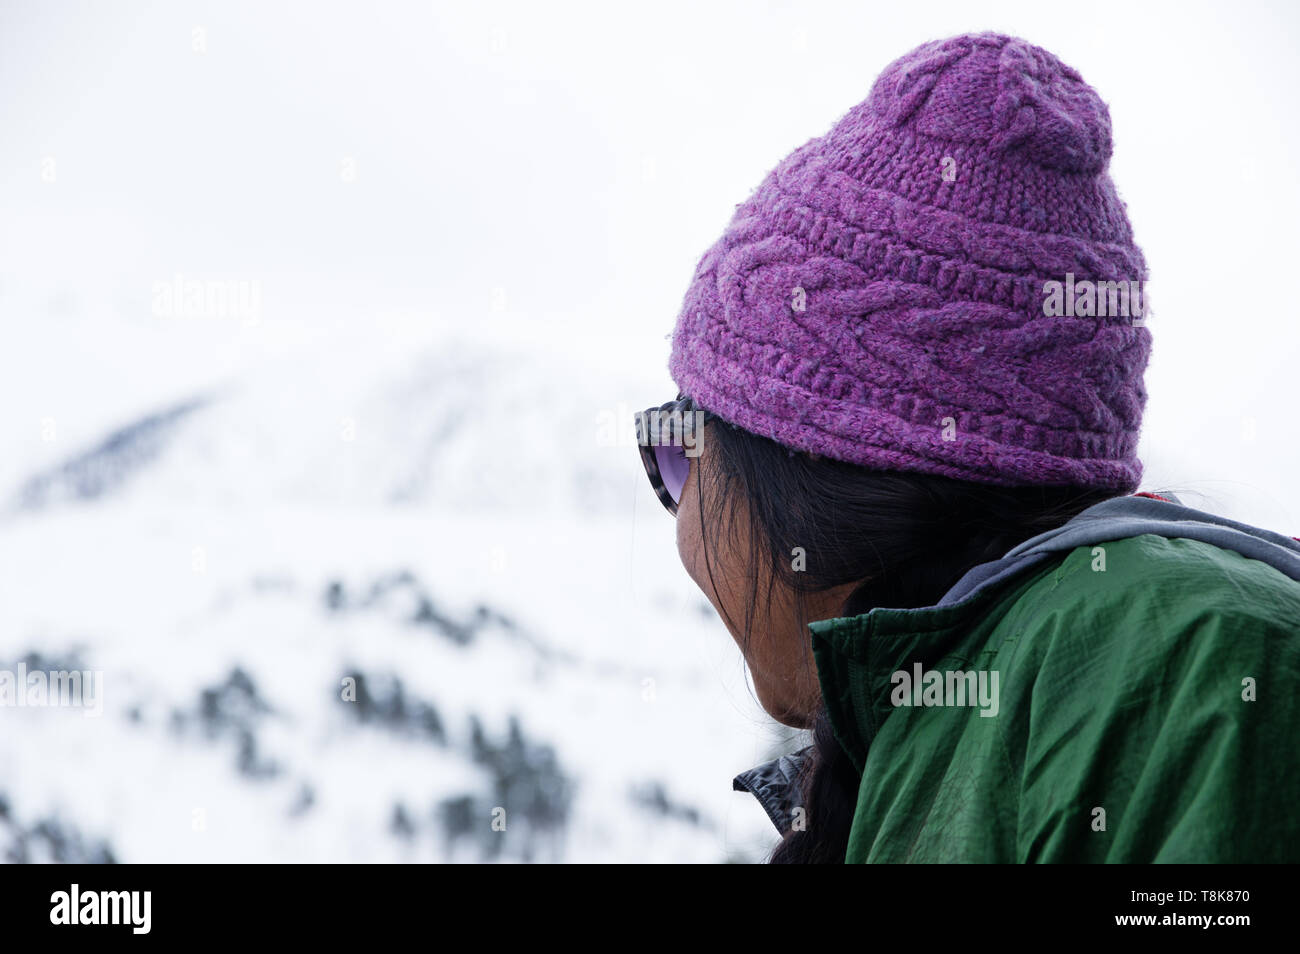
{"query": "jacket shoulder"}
[(1152, 682), (1161, 582)]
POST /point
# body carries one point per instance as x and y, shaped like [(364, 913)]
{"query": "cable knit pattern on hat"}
[(860, 299)]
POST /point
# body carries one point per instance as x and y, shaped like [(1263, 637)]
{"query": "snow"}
[(440, 518)]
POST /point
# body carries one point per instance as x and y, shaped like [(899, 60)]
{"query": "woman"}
[(904, 475)]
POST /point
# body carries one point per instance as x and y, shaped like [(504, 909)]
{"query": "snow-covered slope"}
[(353, 603)]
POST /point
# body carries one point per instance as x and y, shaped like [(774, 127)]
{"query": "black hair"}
[(903, 538)]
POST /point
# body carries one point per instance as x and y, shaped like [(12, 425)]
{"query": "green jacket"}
[(1125, 688)]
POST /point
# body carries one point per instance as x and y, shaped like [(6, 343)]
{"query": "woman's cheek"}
[(690, 539)]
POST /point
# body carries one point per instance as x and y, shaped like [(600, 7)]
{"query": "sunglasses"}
[(668, 436)]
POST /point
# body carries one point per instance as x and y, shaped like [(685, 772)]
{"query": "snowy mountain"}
[(411, 604)]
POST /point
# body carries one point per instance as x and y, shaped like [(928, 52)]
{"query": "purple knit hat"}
[(879, 298)]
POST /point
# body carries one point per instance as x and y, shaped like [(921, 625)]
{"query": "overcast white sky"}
[(551, 172)]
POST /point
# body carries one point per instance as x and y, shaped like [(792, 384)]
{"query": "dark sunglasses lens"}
[(674, 466)]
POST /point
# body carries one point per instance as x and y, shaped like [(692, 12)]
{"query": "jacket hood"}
[(775, 783)]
